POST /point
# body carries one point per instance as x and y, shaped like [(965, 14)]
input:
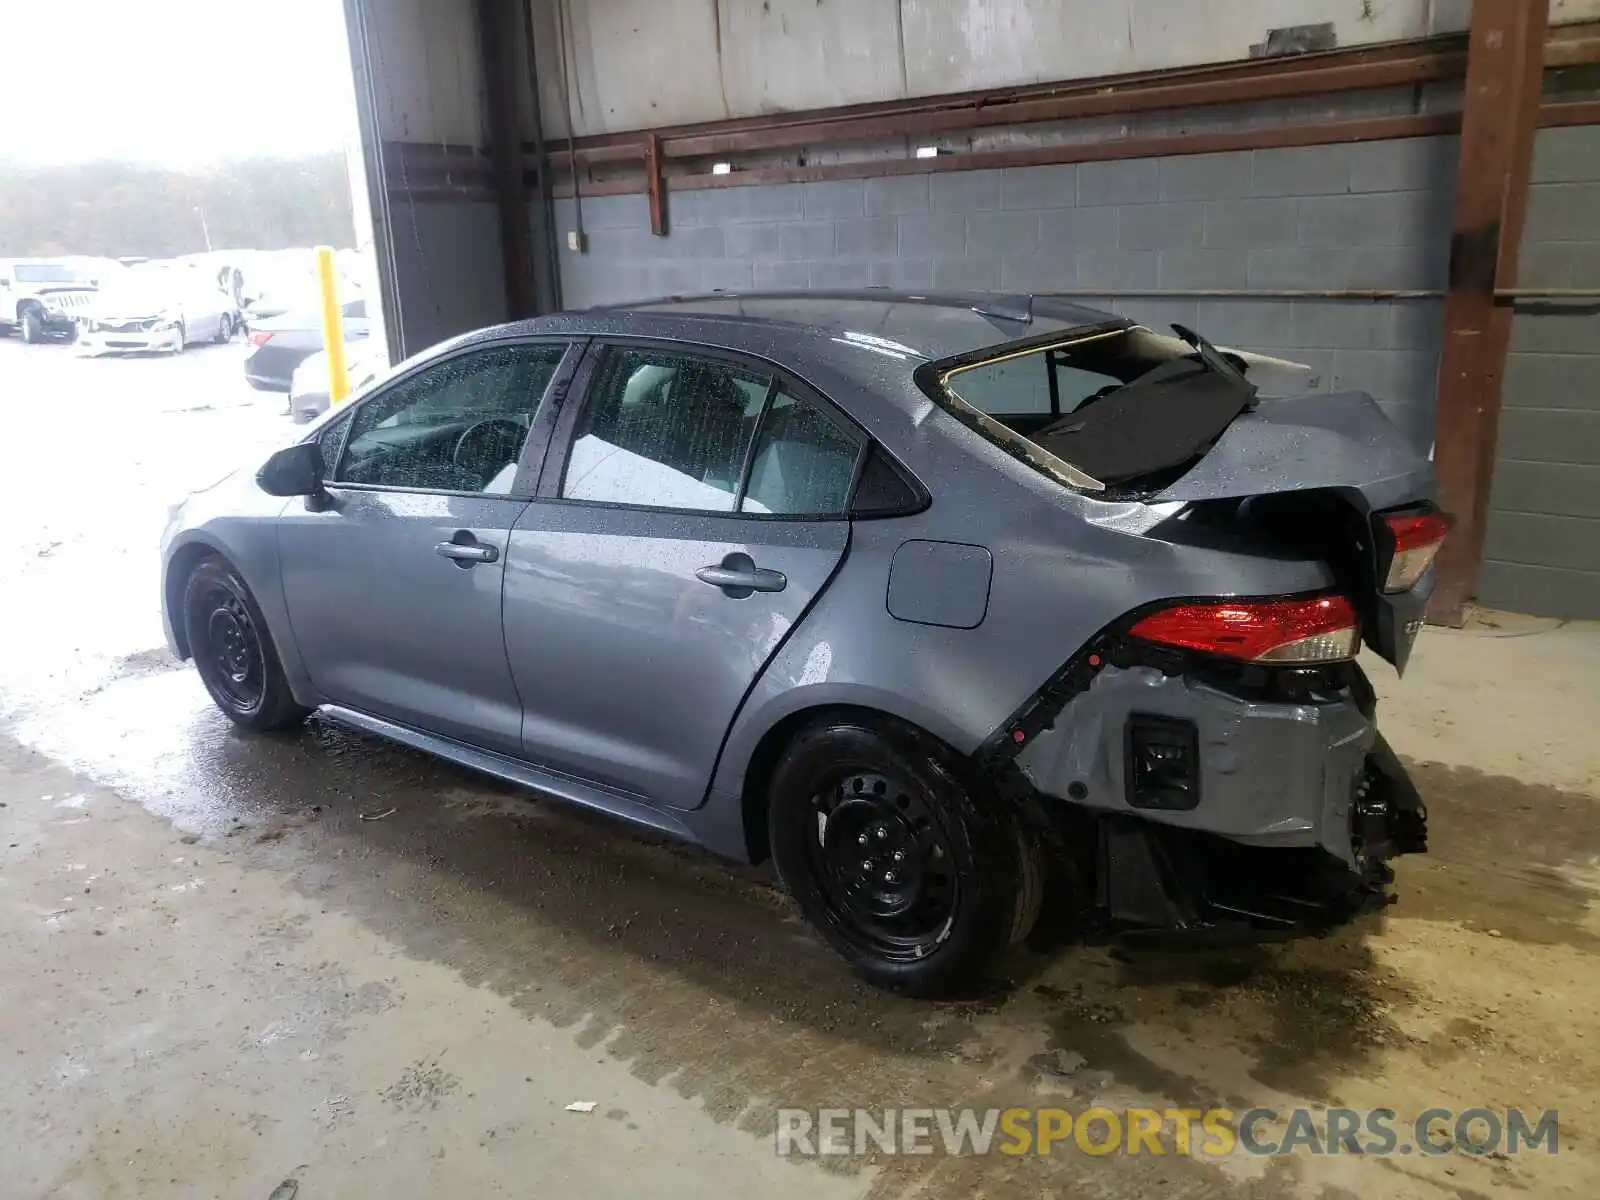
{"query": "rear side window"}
[(665, 429), (804, 463)]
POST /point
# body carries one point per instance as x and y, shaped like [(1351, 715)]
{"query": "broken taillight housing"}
[(1417, 537), (1297, 630)]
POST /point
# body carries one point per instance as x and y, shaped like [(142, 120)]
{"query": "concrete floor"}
[(216, 976)]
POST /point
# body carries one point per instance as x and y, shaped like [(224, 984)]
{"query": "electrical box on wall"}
[(577, 240)]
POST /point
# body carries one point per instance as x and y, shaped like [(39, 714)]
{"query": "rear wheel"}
[(224, 329), (233, 651), (918, 879)]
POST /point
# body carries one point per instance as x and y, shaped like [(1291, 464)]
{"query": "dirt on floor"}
[(404, 1006)]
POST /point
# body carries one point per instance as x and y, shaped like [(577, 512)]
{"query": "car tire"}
[(233, 650), (896, 854), (224, 330), (32, 327), (183, 338)]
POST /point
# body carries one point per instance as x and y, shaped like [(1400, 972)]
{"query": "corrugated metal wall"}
[(634, 64)]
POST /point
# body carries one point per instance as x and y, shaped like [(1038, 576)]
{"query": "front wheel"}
[(233, 650), (180, 338), (32, 327), (916, 878), (224, 329)]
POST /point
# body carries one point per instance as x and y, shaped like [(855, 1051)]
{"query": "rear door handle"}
[(738, 576), (467, 551)]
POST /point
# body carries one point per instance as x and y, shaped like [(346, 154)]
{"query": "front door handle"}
[(466, 551), (738, 576)]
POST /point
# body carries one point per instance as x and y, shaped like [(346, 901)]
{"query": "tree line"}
[(116, 209)]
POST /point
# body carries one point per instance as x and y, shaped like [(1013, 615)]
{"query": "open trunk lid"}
[(1135, 416), (1322, 470)]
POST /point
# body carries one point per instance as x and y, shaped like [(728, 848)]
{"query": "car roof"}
[(836, 324)]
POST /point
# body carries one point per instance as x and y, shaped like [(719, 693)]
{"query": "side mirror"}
[(293, 471)]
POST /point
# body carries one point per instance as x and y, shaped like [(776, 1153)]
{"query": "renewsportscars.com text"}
[(1207, 1133)]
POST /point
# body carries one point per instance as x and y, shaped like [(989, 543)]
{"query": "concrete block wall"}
[(1542, 547), (1357, 216)]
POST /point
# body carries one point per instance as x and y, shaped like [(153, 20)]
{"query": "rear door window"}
[(670, 429), (665, 430)]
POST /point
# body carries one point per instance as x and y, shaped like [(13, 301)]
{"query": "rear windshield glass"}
[(1113, 407)]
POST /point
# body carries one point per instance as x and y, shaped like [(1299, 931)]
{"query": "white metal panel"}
[(783, 55), (632, 64), (637, 64), (954, 45), (427, 73)]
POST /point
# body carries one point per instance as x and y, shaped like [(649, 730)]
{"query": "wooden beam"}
[(655, 185), (1500, 112)]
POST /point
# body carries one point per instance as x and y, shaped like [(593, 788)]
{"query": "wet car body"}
[(977, 601)]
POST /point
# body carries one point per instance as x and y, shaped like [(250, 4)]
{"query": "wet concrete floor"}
[(218, 974)]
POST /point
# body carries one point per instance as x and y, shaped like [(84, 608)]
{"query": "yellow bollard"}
[(332, 327)]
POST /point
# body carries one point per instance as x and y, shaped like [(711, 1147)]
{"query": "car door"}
[(394, 587), (690, 510)]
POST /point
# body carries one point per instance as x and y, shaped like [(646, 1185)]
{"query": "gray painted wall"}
[(1360, 216), (1542, 548), (448, 269)]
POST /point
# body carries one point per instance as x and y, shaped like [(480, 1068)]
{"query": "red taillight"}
[(260, 338), (1308, 629), (1417, 537)]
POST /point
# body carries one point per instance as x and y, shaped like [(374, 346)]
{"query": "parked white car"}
[(308, 387), (40, 297), (158, 307)]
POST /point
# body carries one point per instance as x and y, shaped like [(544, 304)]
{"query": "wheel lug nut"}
[(862, 840), (899, 856), (882, 833), (890, 877), (866, 866)]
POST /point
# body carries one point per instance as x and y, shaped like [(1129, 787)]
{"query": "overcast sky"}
[(177, 82)]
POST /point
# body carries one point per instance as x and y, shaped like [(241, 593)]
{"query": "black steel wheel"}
[(905, 865), (233, 650)]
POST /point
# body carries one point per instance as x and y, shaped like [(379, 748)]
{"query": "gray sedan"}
[(959, 608)]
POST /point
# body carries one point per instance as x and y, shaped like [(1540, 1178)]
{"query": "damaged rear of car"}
[(1209, 762)]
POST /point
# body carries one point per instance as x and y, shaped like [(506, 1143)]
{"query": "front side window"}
[(457, 426)]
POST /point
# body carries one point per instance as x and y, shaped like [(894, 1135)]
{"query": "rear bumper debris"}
[(1192, 808)]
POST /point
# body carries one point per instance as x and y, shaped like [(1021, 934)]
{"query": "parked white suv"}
[(40, 297)]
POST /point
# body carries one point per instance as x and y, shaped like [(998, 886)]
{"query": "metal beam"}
[(1500, 113), (655, 185), (499, 33)]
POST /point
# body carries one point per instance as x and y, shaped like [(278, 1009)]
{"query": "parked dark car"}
[(280, 343), (956, 607)]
